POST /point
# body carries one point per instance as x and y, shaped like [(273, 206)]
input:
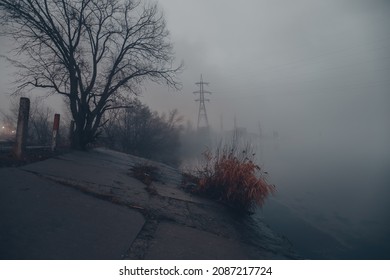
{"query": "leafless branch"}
[(89, 51)]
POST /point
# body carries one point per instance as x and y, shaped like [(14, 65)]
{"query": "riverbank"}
[(166, 223)]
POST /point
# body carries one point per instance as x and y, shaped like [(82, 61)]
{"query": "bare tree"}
[(93, 52)]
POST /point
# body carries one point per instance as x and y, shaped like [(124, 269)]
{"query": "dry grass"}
[(230, 175)]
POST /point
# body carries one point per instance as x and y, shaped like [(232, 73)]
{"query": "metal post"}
[(56, 126), (22, 128)]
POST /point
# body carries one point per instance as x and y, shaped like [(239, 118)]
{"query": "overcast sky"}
[(303, 66)]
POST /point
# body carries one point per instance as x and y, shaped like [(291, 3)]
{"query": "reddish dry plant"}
[(233, 178)]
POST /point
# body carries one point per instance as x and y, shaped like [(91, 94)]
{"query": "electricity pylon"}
[(202, 114)]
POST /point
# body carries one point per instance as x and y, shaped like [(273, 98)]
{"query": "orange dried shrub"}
[(232, 177)]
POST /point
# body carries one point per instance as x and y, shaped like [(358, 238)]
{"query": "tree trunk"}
[(82, 136), (79, 139)]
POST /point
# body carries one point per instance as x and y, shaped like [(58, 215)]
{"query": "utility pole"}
[(202, 114)]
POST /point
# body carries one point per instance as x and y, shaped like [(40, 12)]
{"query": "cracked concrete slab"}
[(74, 170), (174, 241), (177, 224), (41, 219), (177, 193)]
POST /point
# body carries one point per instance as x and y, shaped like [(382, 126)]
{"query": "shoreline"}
[(177, 225)]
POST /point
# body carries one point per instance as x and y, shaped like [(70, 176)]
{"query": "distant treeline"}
[(133, 128), (138, 130)]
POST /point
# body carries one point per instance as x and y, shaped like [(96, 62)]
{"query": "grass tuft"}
[(230, 175)]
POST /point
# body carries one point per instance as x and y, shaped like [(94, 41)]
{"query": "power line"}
[(202, 114)]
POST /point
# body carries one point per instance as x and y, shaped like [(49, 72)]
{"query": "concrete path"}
[(41, 219), (192, 244), (87, 205)]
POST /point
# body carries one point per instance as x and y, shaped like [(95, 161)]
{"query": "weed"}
[(230, 175)]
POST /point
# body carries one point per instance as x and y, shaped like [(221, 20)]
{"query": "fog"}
[(315, 72)]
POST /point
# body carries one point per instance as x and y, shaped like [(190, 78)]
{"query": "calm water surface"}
[(332, 202)]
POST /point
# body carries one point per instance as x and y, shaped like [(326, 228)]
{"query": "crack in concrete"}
[(157, 208)]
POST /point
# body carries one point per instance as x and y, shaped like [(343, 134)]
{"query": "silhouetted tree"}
[(93, 52)]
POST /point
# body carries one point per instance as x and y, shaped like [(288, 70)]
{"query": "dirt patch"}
[(146, 173)]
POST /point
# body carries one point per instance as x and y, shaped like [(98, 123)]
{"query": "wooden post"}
[(22, 128), (56, 126), (71, 132)]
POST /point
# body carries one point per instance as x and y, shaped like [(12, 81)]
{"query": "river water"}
[(331, 202)]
